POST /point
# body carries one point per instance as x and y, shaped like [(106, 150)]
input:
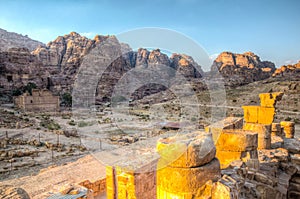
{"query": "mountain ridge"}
[(60, 59), (12, 39)]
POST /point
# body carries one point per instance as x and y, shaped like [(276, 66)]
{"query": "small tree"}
[(29, 87), (67, 99)]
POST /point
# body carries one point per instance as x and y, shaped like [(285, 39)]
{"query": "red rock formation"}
[(238, 69), (288, 71)]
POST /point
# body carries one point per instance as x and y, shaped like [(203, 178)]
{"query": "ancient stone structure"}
[(236, 144), (134, 175), (233, 143), (40, 100), (260, 118), (186, 164), (276, 130), (288, 129)]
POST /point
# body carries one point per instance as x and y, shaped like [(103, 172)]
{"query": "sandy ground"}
[(50, 180)]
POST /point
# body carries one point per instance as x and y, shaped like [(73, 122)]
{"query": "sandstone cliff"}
[(63, 57), (13, 40), (18, 67), (239, 69), (288, 71)]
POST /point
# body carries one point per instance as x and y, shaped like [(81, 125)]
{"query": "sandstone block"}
[(253, 164), (221, 191), (266, 115), (190, 150), (227, 157), (203, 192), (227, 123), (288, 129), (251, 113), (257, 114), (270, 99), (276, 127), (292, 145), (237, 140), (264, 134), (187, 180), (110, 182)]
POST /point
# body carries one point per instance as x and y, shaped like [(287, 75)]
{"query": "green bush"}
[(49, 124), (66, 99), (82, 124), (72, 123)]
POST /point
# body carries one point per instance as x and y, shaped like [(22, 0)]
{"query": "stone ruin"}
[(249, 157), (38, 100)]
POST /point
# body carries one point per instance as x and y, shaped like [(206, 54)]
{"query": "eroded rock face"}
[(290, 71), (17, 68), (239, 69), (186, 66), (65, 51), (62, 58), (10, 192), (14, 40)]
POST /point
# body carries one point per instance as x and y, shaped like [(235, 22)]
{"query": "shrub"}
[(72, 123)]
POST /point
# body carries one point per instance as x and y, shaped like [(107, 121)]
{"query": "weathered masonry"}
[(39, 100)]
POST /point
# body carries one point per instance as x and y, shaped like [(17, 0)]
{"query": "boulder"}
[(190, 150)]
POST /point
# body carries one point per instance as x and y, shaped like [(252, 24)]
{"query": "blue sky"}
[(269, 28)]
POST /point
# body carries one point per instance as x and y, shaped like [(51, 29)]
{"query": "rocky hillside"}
[(239, 69), (18, 67), (14, 40), (63, 57), (55, 66), (288, 71)]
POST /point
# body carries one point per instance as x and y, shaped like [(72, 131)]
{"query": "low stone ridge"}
[(14, 40)]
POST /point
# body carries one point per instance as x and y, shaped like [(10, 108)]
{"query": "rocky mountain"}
[(63, 57), (14, 40), (239, 69), (18, 67), (288, 71), (56, 65)]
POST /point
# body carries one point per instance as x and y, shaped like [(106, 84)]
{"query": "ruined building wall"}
[(38, 101)]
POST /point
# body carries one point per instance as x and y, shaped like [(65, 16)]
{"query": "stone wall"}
[(40, 100), (98, 187), (133, 178)]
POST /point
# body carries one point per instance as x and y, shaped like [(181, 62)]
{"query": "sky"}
[(269, 28)]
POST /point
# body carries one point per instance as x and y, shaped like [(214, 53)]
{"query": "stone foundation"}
[(186, 166)]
